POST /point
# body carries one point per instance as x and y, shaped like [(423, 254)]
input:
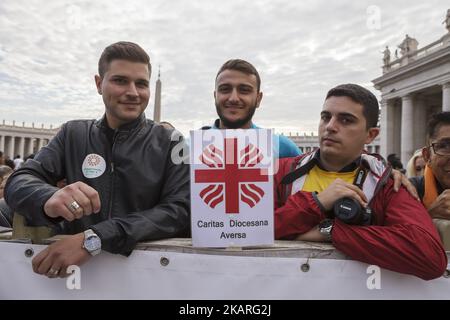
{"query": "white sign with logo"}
[(93, 166), (232, 187)]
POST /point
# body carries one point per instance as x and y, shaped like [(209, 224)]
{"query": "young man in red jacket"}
[(342, 195)]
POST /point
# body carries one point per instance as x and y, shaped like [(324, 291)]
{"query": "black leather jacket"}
[(143, 194), (6, 214)]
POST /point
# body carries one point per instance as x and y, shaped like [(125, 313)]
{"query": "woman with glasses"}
[(434, 186)]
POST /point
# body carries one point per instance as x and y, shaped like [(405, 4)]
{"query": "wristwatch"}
[(92, 242), (326, 227)]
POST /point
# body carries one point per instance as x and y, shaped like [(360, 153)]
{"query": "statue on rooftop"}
[(447, 20), (408, 45), (386, 56)]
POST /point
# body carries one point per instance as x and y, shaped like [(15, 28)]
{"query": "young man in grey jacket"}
[(122, 185)]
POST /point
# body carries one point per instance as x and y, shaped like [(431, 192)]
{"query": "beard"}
[(235, 124)]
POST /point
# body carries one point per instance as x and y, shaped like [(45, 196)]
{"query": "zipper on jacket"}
[(111, 195)]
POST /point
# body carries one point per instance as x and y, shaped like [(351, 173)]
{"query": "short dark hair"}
[(122, 50), (435, 122), (242, 66), (362, 96)]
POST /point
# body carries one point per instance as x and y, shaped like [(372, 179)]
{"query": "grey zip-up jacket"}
[(143, 194)]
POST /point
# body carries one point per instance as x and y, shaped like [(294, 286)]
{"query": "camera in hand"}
[(349, 211)]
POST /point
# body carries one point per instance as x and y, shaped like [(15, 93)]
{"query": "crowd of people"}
[(7, 166), (121, 185)]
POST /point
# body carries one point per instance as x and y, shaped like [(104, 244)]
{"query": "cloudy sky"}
[(49, 52)]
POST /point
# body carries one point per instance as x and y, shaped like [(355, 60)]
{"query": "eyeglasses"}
[(441, 148)]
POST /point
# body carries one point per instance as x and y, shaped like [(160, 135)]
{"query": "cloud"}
[(49, 54)]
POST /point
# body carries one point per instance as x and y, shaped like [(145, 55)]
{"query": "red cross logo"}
[(230, 174)]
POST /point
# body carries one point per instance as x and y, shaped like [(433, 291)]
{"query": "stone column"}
[(30, 146), (446, 97), (383, 128), (2, 143), (396, 128), (386, 128), (12, 147), (420, 122), (21, 150), (40, 144), (27, 147), (407, 138)]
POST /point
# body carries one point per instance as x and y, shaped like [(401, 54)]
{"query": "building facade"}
[(413, 86), (22, 140)]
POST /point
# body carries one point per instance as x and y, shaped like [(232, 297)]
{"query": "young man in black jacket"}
[(122, 185)]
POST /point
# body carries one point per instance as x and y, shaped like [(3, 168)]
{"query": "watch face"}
[(92, 243)]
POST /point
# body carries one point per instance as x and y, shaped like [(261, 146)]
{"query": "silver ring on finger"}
[(53, 272), (73, 206)]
